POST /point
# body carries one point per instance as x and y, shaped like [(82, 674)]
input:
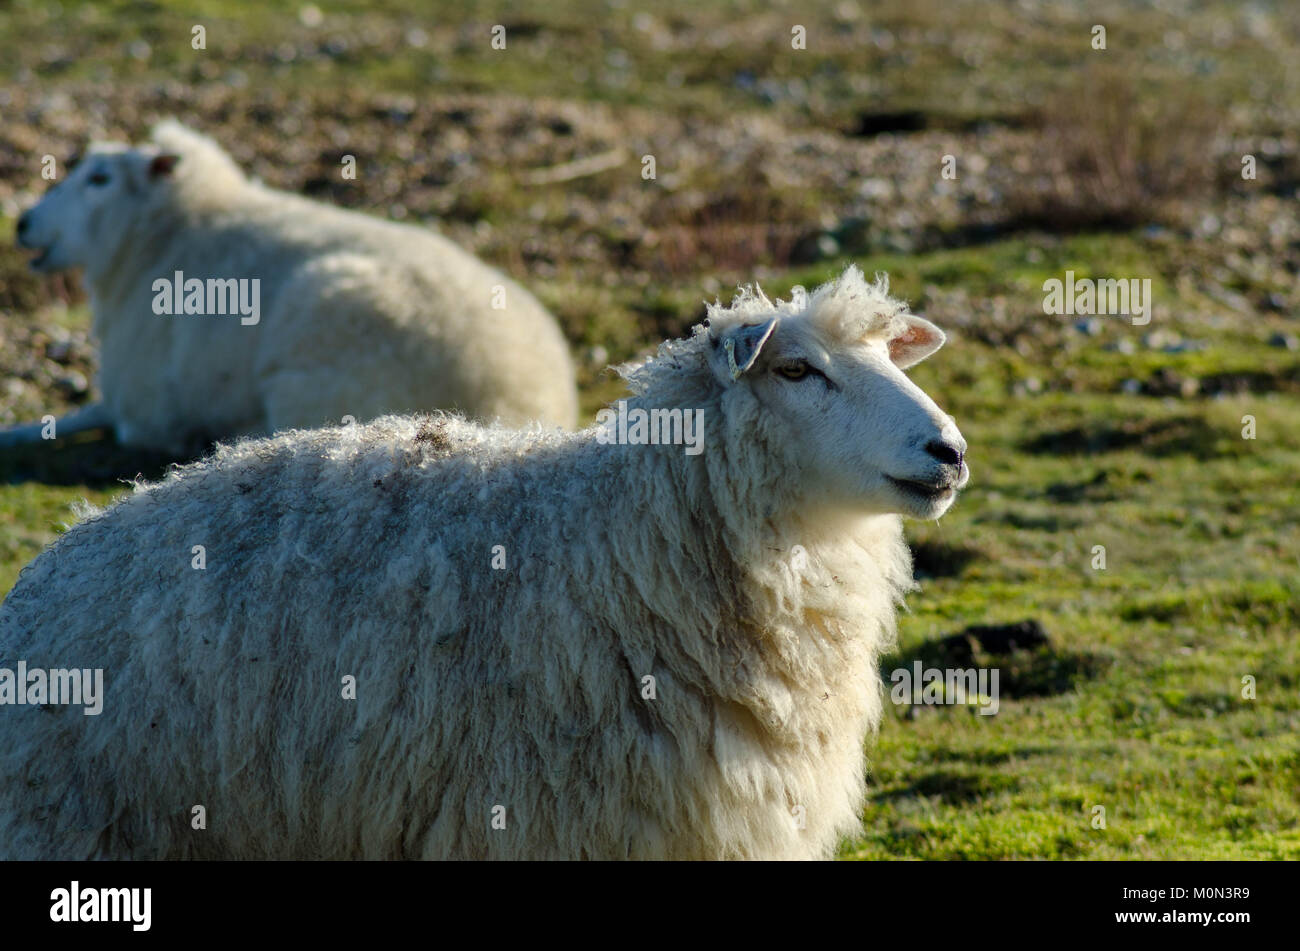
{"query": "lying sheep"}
[(223, 307), (423, 638)]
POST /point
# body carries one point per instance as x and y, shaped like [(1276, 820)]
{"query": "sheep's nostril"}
[(950, 455)]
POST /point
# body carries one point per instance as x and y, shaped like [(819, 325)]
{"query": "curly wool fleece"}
[(495, 602)]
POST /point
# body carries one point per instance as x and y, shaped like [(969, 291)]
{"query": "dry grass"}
[(730, 226), (1115, 153)]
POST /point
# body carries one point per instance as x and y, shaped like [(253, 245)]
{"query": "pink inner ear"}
[(911, 337)]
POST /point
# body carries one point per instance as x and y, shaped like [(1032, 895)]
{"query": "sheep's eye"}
[(98, 178), (794, 371)]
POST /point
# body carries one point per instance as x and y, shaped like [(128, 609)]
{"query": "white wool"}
[(512, 692), (359, 317)]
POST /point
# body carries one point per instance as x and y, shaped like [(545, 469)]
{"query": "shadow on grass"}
[(939, 559), (1180, 435), (92, 459), (1087, 490), (1284, 380), (993, 757), (1024, 521), (1028, 664), (952, 787)]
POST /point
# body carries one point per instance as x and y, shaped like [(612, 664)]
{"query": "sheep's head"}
[(82, 219), (822, 375), (80, 214)]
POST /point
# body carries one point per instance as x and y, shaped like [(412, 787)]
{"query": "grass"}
[(1196, 595), (958, 62), (1104, 438), (1202, 555)]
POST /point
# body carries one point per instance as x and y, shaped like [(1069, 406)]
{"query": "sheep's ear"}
[(919, 339), (736, 350), (161, 166)]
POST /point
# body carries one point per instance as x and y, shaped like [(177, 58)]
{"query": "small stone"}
[(73, 383)]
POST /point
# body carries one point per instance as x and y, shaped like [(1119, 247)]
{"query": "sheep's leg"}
[(94, 416)]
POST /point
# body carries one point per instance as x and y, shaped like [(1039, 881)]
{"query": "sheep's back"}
[(326, 557)]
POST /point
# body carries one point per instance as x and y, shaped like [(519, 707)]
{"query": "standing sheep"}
[(223, 307), (626, 642)]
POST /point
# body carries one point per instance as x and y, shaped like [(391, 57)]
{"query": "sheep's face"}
[(79, 215), (860, 433)]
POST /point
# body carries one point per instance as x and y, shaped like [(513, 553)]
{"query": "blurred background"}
[(1163, 688)]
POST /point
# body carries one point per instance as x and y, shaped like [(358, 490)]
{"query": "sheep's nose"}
[(946, 452), (23, 221)]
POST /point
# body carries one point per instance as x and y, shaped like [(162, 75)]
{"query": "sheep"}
[(423, 638), (225, 308)]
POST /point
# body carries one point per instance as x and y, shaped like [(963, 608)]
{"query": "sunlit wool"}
[(500, 598), (358, 316)]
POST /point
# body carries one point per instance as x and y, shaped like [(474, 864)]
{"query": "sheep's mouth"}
[(926, 490)]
